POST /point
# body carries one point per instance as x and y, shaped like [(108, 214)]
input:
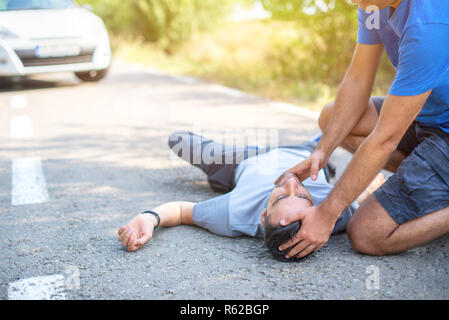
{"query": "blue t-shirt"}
[(416, 39)]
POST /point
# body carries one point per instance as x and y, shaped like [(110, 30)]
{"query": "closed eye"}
[(277, 199), (301, 196)]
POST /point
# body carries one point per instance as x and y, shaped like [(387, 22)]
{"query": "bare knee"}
[(369, 229), (361, 241), (325, 115)]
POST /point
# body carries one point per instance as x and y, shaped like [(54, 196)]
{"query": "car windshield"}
[(10, 5)]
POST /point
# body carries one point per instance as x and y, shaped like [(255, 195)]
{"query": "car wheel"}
[(92, 76)]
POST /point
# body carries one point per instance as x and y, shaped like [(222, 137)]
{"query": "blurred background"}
[(291, 50)]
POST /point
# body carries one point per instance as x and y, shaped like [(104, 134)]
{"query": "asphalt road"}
[(102, 150)]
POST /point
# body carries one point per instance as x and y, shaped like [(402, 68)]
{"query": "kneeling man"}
[(406, 132)]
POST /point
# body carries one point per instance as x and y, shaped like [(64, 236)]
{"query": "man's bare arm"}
[(175, 213), (353, 96), (397, 114), (317, 222), (140, 229), (350, 104)]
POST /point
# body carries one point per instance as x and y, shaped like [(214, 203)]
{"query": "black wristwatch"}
[(154, 214)]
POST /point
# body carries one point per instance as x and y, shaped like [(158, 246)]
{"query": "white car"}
[(42, 36)]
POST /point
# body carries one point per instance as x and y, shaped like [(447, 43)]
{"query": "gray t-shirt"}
[(238, 212)]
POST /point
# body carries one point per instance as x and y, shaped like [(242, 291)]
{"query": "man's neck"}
[(396, 4)]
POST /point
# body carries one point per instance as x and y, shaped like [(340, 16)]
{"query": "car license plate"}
[(57, 51)]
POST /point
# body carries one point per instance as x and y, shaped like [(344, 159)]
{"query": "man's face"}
[(288, 197), (382, 4)]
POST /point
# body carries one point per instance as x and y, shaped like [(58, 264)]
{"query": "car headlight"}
[(6, 34)]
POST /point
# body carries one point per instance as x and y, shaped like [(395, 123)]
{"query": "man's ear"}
[(263, 216)]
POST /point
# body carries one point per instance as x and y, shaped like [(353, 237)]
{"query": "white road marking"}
[(28, 182), (38, 288), (229, 91), (291, 108), (21, 127), (18, 102)]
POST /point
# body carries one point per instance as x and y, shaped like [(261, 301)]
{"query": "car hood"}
[(46, 24)]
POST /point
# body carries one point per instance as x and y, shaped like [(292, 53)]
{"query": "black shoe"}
[(330, 170)]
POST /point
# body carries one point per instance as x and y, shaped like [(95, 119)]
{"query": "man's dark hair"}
[(275, 235)]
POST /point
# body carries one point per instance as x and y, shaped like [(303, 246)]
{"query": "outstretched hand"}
[(137, 232), (310, 167), (316, 229)]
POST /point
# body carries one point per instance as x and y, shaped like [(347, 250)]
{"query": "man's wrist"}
[(154, 218), (324, 148), (332, 211)]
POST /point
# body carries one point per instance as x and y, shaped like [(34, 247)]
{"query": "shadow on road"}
[(26, 83)]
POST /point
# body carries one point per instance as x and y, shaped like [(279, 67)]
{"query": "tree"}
[(332, 26), (165, 22)]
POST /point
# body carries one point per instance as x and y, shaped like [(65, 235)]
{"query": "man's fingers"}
[(290, 243), (125, 237), (129, 239), (297, 249), (314, 168), (308, 250), (277, 180), (132, 243), (143, 239), (120, 231), (292, 218), (301, 168)]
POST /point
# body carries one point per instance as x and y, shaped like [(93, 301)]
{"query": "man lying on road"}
[(250, 205), (407, 133)]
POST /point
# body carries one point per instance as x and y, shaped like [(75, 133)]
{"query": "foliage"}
[(331, 26), (165, 22), (327, 51), (247, 55), (300, 54)]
